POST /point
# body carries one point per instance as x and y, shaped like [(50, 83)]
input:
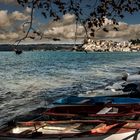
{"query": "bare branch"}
[(30, 25)]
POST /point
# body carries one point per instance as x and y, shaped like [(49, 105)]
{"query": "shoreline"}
[(90, 46)]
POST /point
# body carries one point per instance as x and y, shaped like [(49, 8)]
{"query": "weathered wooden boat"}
[(78, 122), (72, 129), (95, 100), (97, 110)]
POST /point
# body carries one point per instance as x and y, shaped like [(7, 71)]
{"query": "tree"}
[(90, 13)]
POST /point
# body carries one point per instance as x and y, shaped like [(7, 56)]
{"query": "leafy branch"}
[(89, 13)]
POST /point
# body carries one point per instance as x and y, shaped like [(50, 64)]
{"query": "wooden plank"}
[(74, 126), (31, 123), (104, 110), (26, 132), (103, 128)]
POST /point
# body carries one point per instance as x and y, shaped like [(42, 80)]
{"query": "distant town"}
[(110, 46), (89, 45)]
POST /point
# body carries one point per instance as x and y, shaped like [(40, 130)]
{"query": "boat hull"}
[(133, 135), (75, 100), (50, 125)]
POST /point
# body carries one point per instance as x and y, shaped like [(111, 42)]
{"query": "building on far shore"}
[(109, 46)]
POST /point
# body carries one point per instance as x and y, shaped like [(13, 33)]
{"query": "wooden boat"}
[(78, 122), (75, 100), (98, 110), (72, 129)]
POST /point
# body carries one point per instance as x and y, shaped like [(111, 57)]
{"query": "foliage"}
[(135, 42), (90, 13)]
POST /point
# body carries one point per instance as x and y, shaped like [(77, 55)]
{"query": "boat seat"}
[(114, 110), (74, 126), (26, 132), (104, 110)]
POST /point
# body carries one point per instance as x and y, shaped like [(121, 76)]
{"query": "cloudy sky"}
[(12, 17)]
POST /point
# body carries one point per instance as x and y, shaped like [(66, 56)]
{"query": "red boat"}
[(77, 122), (108, 110), (72, 129)]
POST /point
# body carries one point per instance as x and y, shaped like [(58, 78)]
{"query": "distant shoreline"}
[(88, 47), (39, 47)]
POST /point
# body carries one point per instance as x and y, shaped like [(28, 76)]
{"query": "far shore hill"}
[(34, 47), (88, 45)]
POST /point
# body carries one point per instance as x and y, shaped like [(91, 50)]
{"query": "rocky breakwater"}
[(109, 46)]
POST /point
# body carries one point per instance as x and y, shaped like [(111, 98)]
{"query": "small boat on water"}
[(78, 122), (75, 100)]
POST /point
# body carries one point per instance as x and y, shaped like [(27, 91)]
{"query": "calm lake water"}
[(27, 79)]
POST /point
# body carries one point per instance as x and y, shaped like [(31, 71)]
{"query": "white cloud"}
[(68, 19), (16, 15), (9, 36), (65, 28), (8, 1), (67, 31), (125, 32), (7, 19), (10, 25), (108, 21), (12, 35), (28, 10), (3, 37), (123, 26), (4, 19)]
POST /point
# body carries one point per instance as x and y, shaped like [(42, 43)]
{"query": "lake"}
[(27, 80)]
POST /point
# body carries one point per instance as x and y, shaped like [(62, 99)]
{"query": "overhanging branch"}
[(30, 25)]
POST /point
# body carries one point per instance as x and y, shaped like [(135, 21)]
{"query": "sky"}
[(12, 17)]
